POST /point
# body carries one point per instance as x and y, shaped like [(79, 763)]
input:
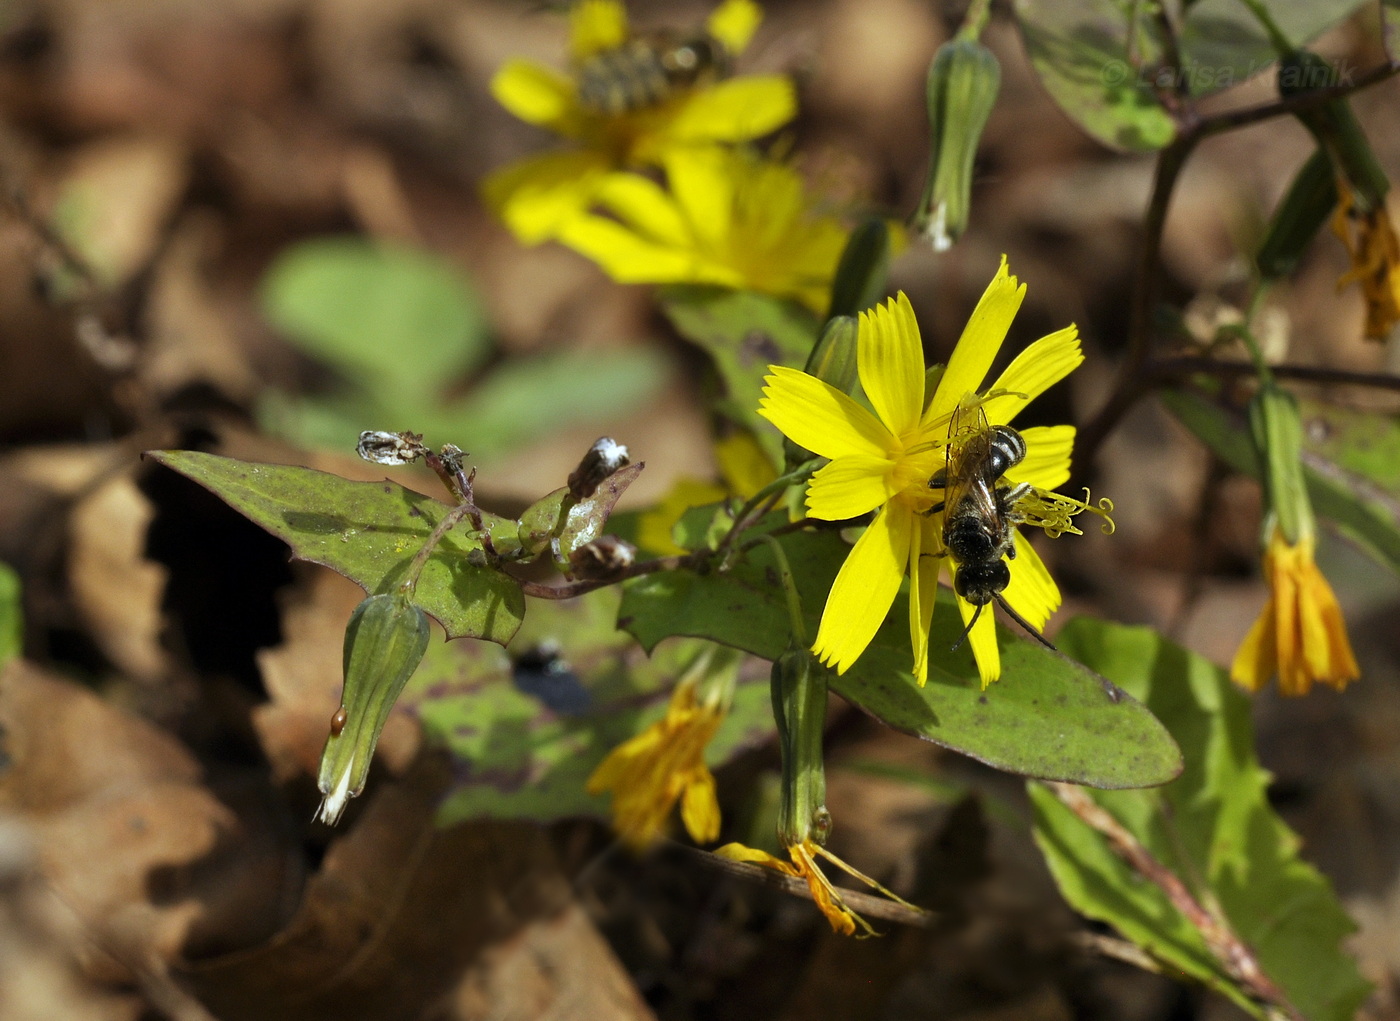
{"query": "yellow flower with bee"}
[(627, 102), (899, 461)]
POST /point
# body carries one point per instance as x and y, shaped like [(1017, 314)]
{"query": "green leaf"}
[(1222, 43), (369, 532), (525, 399), (525, 738), (11, 615), (1088, 54), (744, 333), (396, 320), (1103, 61), (1213, 827), (1047, 717), (1351, 463)]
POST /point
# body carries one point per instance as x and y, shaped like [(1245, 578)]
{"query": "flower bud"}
[(962, 87), (603, 458), (860, 275), (1300, 215), (384, 642), (1277, 429), (798, 683)]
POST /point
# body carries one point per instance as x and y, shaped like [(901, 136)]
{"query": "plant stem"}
[(1235, 957)]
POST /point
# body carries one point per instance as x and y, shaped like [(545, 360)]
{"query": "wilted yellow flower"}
[(1375, 260), (884, 462), (536, 195), (803, 866), (1300, 635), (727, 217), (664, 764)]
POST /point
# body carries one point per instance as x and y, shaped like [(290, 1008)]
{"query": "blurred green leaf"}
[(516, 403), (1102, 60), (525, 399), (398, 321), (369, 532), (1047, 717), (525, 731), (1212, 826), (1088, 55), (1351, 463), (11, 615), (744, 333), (1222, 43)]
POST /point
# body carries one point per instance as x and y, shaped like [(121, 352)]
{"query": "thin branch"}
[(1117, 949), (1235, 957), (1169, 369), (1230, 119)]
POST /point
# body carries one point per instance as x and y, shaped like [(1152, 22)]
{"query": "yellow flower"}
[(536, 195), (1375, 260), (664, 764), (1300, 635), (883, 462), (729, 218)]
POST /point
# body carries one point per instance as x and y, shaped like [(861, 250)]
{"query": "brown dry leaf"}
[(303, 681), (127, 836), (116, 199), (118, 591), (402, 912)]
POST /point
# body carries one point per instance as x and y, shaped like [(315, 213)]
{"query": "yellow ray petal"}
[(631, 259), (1036, 369), (538, 195), (850, 486), (595, 26), (926, 581), (735, 110), (703, 181), (1032, 592), (1257, 658), (817, 416), (700, 807), (891, 359), (978, 346), (537, 95), (734, 22), (645, 206), (1047, 461), (865, 588), (983, 640)]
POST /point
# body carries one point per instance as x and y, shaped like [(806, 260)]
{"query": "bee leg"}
[(939, 479), (1001, 601), (934, 509)]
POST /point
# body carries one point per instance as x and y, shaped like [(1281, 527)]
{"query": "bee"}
[(980, 512), (645, 71)]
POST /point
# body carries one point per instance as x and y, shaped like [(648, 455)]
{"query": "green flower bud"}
[(1277, 430), (962, 86), (1335, 127), (799, 706), (1309, 201), (384, 642), (860, 275)]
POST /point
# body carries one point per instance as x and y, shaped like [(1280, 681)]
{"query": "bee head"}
[(980, 583)]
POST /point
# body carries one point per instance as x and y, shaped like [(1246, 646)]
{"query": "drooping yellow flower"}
[(536, 195), (727, 217), (1300, 635), (1375, 260), (664, 764), (883, 462)]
